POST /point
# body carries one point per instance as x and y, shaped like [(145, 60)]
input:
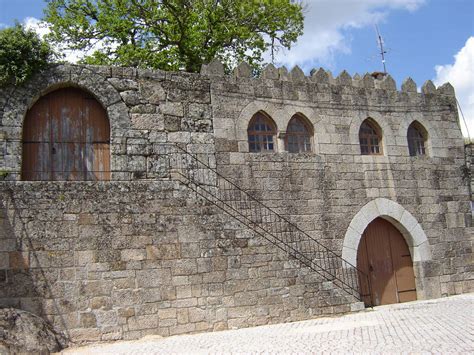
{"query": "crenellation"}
[(428, 88), (243, 70), (388, 83), (368, 81), (297, 75), (446, 89), (344, 79), (283, 74), (214, 68), (409, 86), (149, 255), (270, 72)]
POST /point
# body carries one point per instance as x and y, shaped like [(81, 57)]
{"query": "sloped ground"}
[(436, 326)]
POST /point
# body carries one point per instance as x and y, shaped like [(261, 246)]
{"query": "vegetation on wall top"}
[(22, 53), (175, 34)]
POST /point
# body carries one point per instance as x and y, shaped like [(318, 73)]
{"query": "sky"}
[(424, 39)]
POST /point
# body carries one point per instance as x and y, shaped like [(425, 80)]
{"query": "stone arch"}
[(262, 140), (433, 143), (403, 220), (388, 138), (250, 110), (89, 79), (66, 76), (72, 124), (309, 131), (281, 115), (317, 125)]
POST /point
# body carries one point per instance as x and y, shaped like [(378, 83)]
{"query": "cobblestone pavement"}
[(436, 326)]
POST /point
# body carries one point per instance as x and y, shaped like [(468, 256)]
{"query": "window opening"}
[(298, 136), (261, 134), (370, 139)]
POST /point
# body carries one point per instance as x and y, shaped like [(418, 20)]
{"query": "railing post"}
[(206, 182)]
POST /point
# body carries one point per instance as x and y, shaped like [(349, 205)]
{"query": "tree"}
[(174, 34), (22, 53)]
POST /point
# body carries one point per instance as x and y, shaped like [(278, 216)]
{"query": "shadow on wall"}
[(24, 284)]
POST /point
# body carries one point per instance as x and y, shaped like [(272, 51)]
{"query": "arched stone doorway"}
[(384, 256), (427, 286), (66, 136)]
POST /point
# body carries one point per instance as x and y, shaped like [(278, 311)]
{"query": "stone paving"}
[(435, 326)]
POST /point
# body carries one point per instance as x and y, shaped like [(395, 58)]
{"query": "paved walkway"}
[(436, 326)]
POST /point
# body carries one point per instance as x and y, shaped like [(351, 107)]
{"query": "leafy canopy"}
[(22, 53), (175, 34)]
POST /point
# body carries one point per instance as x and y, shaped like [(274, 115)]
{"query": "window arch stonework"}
[(416, 137), (370, 138), (299, 135), (261, 133)]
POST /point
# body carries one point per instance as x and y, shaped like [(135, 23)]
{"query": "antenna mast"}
[(382, 51)]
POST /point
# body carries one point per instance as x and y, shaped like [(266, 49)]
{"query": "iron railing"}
[(199, 173)]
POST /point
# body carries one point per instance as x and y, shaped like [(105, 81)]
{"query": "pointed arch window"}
[(370, 138), (261, 133), (66, 136), (299, 135), (416, 136)]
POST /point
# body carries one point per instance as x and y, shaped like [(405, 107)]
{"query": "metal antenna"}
[(382, 51)]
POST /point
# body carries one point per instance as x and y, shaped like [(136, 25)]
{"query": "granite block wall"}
[(142, 254)]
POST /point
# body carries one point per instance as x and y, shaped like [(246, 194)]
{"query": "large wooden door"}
[(384, 256), (66, 136)]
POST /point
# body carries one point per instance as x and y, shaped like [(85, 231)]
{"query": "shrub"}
[(22, 53)]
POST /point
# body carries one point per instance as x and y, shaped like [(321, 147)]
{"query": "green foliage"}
[(175, 34), (22, 53)]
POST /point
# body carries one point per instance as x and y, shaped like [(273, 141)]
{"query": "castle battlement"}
[(138, 201)]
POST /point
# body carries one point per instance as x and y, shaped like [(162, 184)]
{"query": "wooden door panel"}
[(405, 276), (403, 266), (363, 265), (36, 156), (66, 137), (407, 296), (380, 265), (97, 151), (384, 255), (101, 165)]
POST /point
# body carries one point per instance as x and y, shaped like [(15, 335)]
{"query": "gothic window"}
[(66, 136), (370, 138), (298, 135), (416, 139), (261, 133)]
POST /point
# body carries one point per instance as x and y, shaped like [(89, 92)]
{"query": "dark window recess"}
[(298, 136), (369, 139), (261, 134), (416, 140)]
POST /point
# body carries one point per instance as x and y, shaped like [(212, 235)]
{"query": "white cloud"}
[(42, 28), (461, 76), (325, 22)]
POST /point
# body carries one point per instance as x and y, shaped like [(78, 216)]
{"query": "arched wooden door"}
[(384, 256), (66, 136)]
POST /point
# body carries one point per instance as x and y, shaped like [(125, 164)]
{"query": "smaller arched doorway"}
[(384, 256)]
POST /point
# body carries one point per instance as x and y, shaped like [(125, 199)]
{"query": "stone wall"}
[(123, 260), (142, 254), (469, 149)]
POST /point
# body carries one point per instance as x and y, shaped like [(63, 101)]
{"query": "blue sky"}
[(422, 37)]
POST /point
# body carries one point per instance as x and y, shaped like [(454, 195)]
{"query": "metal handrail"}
[(208, 183)]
